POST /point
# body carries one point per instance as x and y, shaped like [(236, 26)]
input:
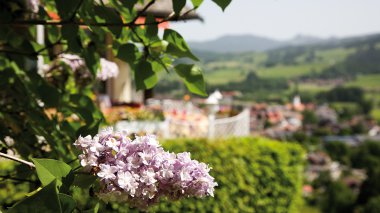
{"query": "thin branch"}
[(98, 24), (10, 157), (38, 52), (146, 47), (141, 12), (159, 60), (71, 161), (18, 52), (76, 10), (189, 11)]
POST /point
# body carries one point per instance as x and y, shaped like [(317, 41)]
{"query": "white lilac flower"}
[(185, 175), (84, 141), (107, 70), (107, 171), (33, 5), (9, 141), (167, 173), (145, 157), (127, 181), (140, 171), (113, 143), (148, 177), (73, 61), (96, 148), (88, 160)]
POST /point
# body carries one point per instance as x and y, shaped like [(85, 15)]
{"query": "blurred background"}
[(308, 71), (291, 122)]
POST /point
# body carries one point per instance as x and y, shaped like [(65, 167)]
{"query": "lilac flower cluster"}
[(33, 5), (73, 61), (139, 171), (107, 69)]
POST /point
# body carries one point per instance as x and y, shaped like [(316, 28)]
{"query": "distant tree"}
[(370, 187), (342, 94), (366, 106), (339, 151), (300, 137), (309, 117), (366, 156), (358, 128), (323, 180), (364, 61), (338, 198), (373, 205)]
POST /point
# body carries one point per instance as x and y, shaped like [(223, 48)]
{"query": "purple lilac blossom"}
[(73, 61), (33, 5), (140, 171), (107, 70)]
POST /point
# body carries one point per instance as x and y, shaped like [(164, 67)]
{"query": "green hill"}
[(281, 72)]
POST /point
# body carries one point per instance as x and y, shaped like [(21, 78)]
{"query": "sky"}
[(284, 19)]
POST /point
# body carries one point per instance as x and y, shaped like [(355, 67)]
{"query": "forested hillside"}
[(277, 75)]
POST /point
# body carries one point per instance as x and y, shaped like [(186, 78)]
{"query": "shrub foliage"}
[(254, 175)]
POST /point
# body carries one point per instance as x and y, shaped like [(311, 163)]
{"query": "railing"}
[(232, 126), (213, 128)]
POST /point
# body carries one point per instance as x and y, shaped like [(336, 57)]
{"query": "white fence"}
[(215, 128), (232, 126), (159, 128)]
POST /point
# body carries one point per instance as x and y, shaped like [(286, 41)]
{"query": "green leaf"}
[(69, 31), (151, 29), (67, 182), (222, 3), (89, 129), (197, 3), (66, 8), (53, 34), (74, 45), (84, 180), (91, 58), (177, 45), (48, 94), (129, 3), (48, 170), (109, 15), (193, 77), (45, 200), (85, 107), (178, 5), (128, 53), (156, 48), (145, 77), (68, 204), (93, 210)]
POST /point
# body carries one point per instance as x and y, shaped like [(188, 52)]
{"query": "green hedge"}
[(254, 175)]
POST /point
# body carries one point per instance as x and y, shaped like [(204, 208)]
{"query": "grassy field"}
[(368, 82), (375, 113), (337, 54), (235, 68), (225, 76), (310, 88), (289, 71)]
